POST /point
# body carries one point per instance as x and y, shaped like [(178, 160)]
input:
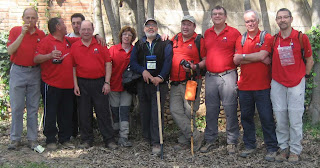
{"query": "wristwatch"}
[(307, 76), (243, 56)]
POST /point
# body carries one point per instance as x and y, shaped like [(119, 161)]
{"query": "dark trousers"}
[(75, 117), (58, 109), (147, 94), (260, 98), (92, 97)]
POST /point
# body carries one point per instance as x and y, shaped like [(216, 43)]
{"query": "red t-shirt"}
[(257, 75), (184, 50), (57, 75), (220, 49), (290, 75), (90, 61), (25, 52), (120, 61)]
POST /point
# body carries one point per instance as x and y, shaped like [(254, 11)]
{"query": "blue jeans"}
[(260, 98)]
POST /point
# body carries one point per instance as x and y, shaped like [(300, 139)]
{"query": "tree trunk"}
[(112, 10), (264, 16), (315, 17), (141, 17), (99, 28), (247, 5), (315, 101), (150, 10)]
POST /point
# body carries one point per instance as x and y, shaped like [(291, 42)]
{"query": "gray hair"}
[(255, 13)]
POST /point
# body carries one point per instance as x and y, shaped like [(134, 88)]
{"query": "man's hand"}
[(25, 28), (156, 81), (101, 40), (147, 76), (237, 59), (55, 54), (106, 89), (76, 90), (266, 61), (164, 37)]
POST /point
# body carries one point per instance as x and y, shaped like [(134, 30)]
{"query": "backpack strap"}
[(197, 42), (300, 36), (68, 42), (262, 37), (176, 39), (244, 38)]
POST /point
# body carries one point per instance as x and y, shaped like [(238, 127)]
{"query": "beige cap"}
[(189, 18)]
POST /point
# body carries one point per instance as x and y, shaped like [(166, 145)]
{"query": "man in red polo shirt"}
[(254, 86), (57, 85), (91, 73), (221, 80), (184, 48), (24, 78), (288, 85)]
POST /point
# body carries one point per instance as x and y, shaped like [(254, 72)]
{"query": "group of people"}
[(78, 73)]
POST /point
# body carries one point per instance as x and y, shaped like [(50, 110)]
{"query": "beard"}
[(151, 35)]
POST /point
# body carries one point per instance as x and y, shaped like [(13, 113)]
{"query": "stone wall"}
[(167, 12)]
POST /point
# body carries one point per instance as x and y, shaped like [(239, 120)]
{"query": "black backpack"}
[(197, 42)]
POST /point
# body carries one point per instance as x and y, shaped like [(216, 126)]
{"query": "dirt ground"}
[(140, 154)]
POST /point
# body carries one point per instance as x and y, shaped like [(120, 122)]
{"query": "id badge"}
[(151, 62), (286, 55)]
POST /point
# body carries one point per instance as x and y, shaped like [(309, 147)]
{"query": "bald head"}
[(86, 30), (30, 17)]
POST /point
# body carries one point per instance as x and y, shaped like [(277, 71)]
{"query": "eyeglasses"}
[(150, 25), (125, 34), (283, 17), (250, 21), (218, 14)]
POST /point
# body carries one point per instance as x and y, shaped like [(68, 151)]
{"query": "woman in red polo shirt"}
[(120, 99)]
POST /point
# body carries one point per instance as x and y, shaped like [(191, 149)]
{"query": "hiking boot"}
[(197, 144), (68, 145), (180, 146), (14, 145), (207, 147), (247, 152), (156, 150), (231, 149), (32, 144), (111, 145), (283, 155), (85, 145), (270, 156), (52, 146), (293, 158), (124, 142)]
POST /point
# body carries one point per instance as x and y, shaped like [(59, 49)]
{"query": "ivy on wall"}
[(314, 37)]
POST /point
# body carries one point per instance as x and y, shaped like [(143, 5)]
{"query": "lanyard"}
[(152, 48)]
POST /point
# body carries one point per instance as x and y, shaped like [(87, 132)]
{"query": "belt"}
[(221, 73), (26, 66), (176, 83)]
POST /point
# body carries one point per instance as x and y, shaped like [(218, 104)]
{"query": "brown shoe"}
[(231, 149), (112, 145), (293, 158), (14, 145), (32, 144), (68, 145), (156, 150), (52, 146), (208, 146), (283, 155), (180, 147)]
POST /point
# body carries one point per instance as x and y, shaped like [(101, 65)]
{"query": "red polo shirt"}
[(184, 50), (120, 61), (290, 75), (25, 52), (220, 49), (257, 75), (57, 75), (90, 61)]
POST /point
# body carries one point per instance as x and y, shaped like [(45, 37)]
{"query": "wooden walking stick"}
[(160, 121), (191, 89)]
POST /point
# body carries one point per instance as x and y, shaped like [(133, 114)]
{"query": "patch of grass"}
[(27, 165), (201, 122), (313, 129)]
